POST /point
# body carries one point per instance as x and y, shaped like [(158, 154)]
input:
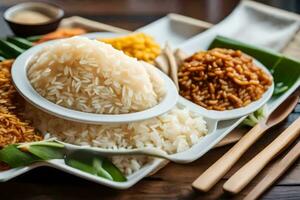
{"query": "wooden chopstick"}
[(244, 175), (275, 173), (190, 21)]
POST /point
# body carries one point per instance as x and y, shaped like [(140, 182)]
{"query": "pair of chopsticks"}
[(277, 170), (243, 176)]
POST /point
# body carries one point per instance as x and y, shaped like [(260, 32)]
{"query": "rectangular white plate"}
[(162, 32), (175, 35)]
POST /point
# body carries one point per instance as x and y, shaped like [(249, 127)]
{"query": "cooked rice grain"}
[(175, 131), (92, 76)]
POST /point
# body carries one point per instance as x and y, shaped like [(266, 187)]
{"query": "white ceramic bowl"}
[(234, 113), (20, 79)]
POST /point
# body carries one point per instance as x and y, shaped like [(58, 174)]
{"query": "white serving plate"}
[(195, 152), (224, 127), (24, 87), (212, 117)]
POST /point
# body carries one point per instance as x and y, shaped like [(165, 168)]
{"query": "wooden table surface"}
[(174, 181)]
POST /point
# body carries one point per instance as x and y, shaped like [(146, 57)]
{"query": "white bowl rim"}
[(24, 87)]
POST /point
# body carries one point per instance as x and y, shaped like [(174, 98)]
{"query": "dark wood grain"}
[(173, 181)]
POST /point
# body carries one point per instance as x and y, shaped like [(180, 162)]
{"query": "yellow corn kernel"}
[(138, 45)]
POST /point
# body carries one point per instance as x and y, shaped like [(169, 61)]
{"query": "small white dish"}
[(20, 80), (234, 113)]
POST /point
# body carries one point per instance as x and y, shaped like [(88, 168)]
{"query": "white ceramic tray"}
[(195, 25), (199, 42)]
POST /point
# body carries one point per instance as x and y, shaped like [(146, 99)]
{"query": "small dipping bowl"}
[(20, 28)]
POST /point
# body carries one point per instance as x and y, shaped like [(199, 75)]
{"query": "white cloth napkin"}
[(252, 23)]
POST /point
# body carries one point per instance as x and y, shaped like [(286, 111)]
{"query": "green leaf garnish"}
[(97, 164), (113, 171), (34, 38), (280, 88), (28, 153), (81, 165), (93, 164), (255, 117), (46, 153), (286, 74), (45, 150), (14, 157)]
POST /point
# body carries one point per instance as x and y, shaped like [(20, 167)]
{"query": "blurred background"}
[(131, 14)]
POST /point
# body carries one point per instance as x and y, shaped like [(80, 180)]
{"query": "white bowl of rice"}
[(88, 81)]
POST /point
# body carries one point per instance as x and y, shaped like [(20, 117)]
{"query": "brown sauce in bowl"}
[(29, 17)]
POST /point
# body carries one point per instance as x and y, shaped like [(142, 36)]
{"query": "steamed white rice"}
[(173, 132), (91, 76)]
